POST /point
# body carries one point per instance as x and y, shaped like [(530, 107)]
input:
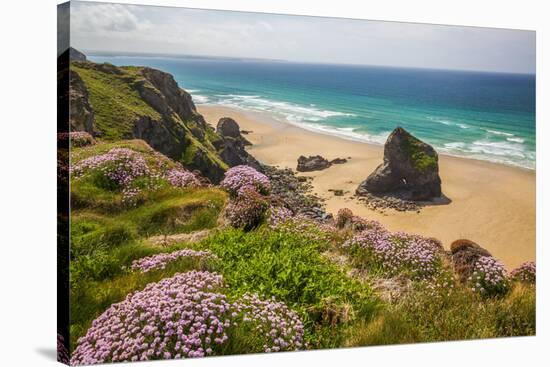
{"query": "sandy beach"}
[(491, 204)]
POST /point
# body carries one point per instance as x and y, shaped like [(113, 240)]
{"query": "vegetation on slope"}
[(334, 277)]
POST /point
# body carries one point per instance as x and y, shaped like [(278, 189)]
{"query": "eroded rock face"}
[(410, 170), (81, 113), (173, 97), (312, 163)]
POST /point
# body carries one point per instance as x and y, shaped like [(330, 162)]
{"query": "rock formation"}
[(410, 170), (227, 127), (76, 55), (231, 145), (312, 163)]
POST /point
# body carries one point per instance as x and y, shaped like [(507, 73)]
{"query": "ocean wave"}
[(200, 99), (290, 111), (509, 153), (496, 132), (516, 140), (448, 122)]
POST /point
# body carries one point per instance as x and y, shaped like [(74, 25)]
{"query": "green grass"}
[(459, 315), (116, 104), (290, 267)]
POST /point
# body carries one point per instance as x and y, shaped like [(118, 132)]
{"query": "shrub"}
[(244, 177), (118, 169), (526, 272), (394, 253), (247, 211), (159, 261), (343, 217), (182, 178), (184, 317), (278, 215), (489, 277), (76, 138), (176, 317), (271, 321), (62, 351), (290, 267)]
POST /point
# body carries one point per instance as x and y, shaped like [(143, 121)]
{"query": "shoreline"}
[(492, 204)]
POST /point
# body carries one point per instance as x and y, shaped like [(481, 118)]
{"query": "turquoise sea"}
[(480, 115)]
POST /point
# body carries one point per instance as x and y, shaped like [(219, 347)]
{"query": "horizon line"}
[(197, 56)]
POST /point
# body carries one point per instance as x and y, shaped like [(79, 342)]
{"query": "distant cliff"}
[(114, 103)]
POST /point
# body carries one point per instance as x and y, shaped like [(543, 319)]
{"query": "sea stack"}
[(410, 170)]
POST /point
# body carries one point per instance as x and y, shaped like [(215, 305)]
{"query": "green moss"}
[(116, 104), (421, 160)]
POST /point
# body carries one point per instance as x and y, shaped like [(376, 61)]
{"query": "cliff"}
[(114, 103)]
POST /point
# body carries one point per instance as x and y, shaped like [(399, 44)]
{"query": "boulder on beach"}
[(312, 163), (464, 255), (410, 170)]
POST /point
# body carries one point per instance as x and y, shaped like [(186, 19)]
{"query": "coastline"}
[(491, 204)]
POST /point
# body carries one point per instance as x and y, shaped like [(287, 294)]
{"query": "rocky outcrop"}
[(172, 97), (163, 115), (81, 113), (231, 145), (229, 128), (312, 163), (76, 55), (464, 255), (410, 170)]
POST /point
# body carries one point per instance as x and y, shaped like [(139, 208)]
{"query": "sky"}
[(179, 31)]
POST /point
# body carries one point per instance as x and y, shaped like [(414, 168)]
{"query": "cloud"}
[(172, 30), (88, 17)]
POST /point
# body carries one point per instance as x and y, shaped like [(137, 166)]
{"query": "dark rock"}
[(312, 163), (232, 152), (464, 255), (287, 190), (337, 192), (410, 170), (228, 127), (76, 55), (246, 132), (81, 113), (339, 161)]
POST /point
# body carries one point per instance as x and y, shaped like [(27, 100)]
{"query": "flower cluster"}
[(247, 210), (526, 272), (274, 321), (159, 261), (183, 317), (278, 215), (488, 277), (182, 178), (177, 317), (397, 252), (343, 217), (120, 166), (77, 138), (62, 351), (241, 178)]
